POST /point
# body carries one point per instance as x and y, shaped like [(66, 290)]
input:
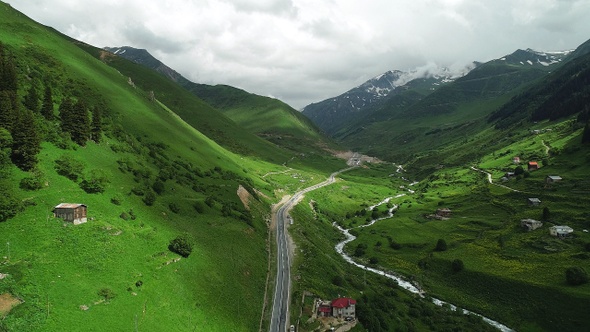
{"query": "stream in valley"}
[(405, 284)]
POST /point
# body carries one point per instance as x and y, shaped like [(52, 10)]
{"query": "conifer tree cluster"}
[(20, 123)]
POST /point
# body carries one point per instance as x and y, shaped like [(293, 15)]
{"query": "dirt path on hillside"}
[(489, 175)]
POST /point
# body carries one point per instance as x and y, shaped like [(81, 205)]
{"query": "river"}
[(405, 284)]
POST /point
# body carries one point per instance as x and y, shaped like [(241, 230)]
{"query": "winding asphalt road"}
[(279, 321)]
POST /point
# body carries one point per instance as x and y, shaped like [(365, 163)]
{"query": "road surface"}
[(279, 321)]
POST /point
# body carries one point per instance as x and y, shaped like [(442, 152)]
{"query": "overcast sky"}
[(304, 51)]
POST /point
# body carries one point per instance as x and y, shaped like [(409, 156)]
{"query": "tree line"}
[(28, 116)]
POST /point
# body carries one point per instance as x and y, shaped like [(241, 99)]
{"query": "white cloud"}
[(303, 51)]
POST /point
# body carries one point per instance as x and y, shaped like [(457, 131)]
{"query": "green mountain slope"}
[(266, 117), (191, 109), (147, 178), (408, 124)]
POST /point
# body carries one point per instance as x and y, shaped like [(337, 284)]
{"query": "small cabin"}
[(533, 201), (530, 224), (72, 212), (560, 231), (516, 160), (533, 166), (552, 179)]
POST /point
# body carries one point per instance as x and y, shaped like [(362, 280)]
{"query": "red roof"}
[(325, 309), (533, 163), (343, 302)]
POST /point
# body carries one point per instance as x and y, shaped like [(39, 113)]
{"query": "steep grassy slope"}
[(266, 117), (192, 109), (163, 179)]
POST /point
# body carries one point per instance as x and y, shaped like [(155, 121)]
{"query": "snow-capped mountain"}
[(531, 57), (331, 113)]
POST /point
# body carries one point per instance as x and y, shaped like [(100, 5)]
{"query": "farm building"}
[(552, 178), (530, 224), (533, 201), (72, 212), (560, 231), (516, 160), (533, 165)]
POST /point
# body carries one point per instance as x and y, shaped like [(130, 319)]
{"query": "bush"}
[(116, 200), (457, 265), (181, 245), (199, 207), (441, 245), (96, 182), (158, 187), (34, 182), (338, 281), (150, 198), (107, 293), (174, 207), (576, 276), (69, 167)]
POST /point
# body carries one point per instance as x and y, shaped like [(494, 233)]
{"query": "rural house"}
[(533, 201), (72, 212), (533, 166), (552, 178), (324, 308), (343, 307), (340, 308), (516, 160), (530, 224), (560, 231)]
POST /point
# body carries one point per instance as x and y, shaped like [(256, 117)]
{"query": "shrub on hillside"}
[(181, 245), (457, 265), (34, 182), (441, 245), (69, 167), (338, 281), (576, 276), (150, 198), (107, 293), (174, 207), (96, 182), (158, 187)]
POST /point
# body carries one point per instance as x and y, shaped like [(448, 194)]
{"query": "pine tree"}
[(47, 105), (75, 120), (31, 101), (7, 109), (586, 134), (96, 126), (8, 86), (26, 141), (8, 80)]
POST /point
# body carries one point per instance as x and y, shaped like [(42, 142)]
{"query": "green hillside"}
[(266, 117), (147, 177), (269, 118)]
